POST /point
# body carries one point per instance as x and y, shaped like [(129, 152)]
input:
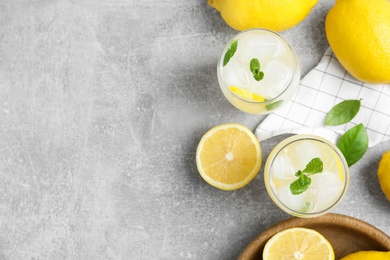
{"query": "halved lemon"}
[(246, 94), (298, 243), (228, 156)]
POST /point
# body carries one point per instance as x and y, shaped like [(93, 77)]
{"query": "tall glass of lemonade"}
[(325, 183), (258, 71)]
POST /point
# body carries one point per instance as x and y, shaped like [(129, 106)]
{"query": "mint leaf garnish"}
[(300, 185), (343, 112), (353, 144), (308, 205), (314, 166), (254, 66), (303, 182), (274, 105), (230, 52), (298, 173)]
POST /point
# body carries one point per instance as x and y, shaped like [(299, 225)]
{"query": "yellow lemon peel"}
[(274, 15), (358, 31), (384, 174), (246, 94)]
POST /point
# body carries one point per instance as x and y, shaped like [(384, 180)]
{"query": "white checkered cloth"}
[(323, 87)]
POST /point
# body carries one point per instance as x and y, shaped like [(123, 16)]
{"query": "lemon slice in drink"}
[(298, 243), (246, 94), (228, 156)]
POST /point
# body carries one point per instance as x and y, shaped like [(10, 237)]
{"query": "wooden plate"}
[(346, 234)]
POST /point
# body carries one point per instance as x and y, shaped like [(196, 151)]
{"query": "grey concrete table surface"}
[(102, 106)]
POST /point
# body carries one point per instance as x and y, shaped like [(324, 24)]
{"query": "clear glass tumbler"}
[(258, 71), (327, 188)]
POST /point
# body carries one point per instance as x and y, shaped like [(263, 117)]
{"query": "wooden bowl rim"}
[(344, 221)]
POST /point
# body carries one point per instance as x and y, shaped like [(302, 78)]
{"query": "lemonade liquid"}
[(326, 189), (278, 62)]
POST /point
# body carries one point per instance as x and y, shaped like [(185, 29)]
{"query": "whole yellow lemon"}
[(367, 255), (384, 174), (358, 32), (270, 14)]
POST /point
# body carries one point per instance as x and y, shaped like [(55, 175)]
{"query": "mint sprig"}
[(230, 52), (303, 182), (254, 66)]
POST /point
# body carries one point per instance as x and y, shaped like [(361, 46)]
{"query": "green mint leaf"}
[(300, 185), (259, 76), (343, 112), (354, 144), (314, 166), (303, 182), (274, 105), (230, 52), (308, 205), (254, 66)]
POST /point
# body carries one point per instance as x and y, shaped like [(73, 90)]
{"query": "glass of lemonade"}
[(327, 188), (258, 71)]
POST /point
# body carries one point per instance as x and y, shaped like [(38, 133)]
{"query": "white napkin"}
[(323, 87)]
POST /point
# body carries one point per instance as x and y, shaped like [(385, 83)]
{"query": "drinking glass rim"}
[(293, 55), (275, 152)]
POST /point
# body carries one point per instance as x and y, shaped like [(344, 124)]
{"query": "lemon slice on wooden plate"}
[(228, 156), (298, 243)]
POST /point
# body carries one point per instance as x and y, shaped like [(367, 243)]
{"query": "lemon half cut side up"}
[(228, 156)]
